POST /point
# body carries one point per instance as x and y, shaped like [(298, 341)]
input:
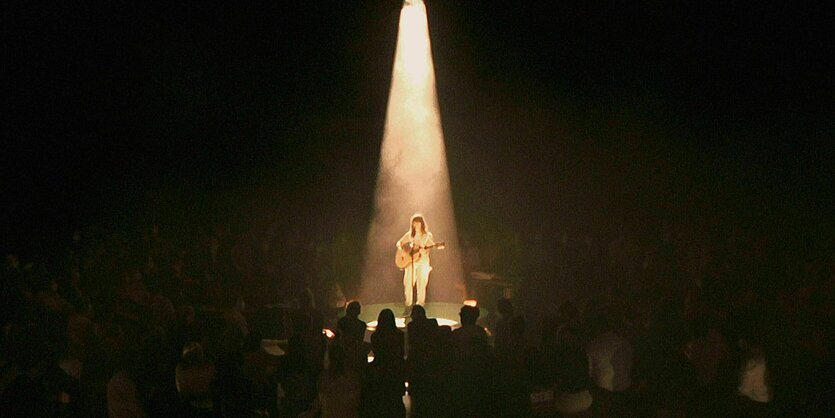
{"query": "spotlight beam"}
[(413, 174)]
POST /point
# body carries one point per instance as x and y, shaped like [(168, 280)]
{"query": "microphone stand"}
[(412, 284)]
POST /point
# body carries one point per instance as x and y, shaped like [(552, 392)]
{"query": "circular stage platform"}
[(445, 313)]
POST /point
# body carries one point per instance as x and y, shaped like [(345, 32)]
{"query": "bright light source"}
[(328, 333), (401, 323), (413, 174), (471, 302), (447, 322)]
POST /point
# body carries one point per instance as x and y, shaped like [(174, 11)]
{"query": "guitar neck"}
[(438, 245)]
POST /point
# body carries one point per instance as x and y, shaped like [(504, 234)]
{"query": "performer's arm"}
[(426, 243), (429, 240), (402, 240)]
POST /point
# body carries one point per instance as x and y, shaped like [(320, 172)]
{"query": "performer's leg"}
[(408, 284), (422, 278)]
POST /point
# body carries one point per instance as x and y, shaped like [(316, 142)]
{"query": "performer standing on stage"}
[(416, 274)]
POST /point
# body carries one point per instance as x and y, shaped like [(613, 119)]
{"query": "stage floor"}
[(446, 313)]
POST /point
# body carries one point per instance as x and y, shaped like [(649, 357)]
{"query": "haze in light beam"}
[(413, 175)]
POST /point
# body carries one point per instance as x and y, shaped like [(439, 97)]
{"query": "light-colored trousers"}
[(420, 279)]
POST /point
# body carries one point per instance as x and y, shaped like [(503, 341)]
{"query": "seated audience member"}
[(610, 364), (232, 394), (309, 331), (22, 390), (194, 377), (125, 389), (72, 293), (339, 388), (297, 378), (122, 397), (234, 317), (753, 379), (186, 328), (162, 311), (755, 391), (47, 295), (573, 394)]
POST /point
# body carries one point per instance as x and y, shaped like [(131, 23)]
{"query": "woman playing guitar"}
[(415, 244)]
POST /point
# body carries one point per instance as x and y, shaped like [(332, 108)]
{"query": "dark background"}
[(565, 116)]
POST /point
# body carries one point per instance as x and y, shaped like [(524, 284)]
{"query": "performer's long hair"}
[(418, 217)]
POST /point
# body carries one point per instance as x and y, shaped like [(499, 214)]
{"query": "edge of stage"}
[(446, 313)]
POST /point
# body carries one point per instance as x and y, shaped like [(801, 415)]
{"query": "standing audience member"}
[(472, 369), (350, 325), (513, 383), (422, 369), (350, 335), (384, 382), (504, 332)]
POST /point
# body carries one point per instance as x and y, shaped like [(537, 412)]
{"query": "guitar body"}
[(403, 257)]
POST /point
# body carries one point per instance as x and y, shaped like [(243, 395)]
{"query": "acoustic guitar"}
[(407, 253)]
